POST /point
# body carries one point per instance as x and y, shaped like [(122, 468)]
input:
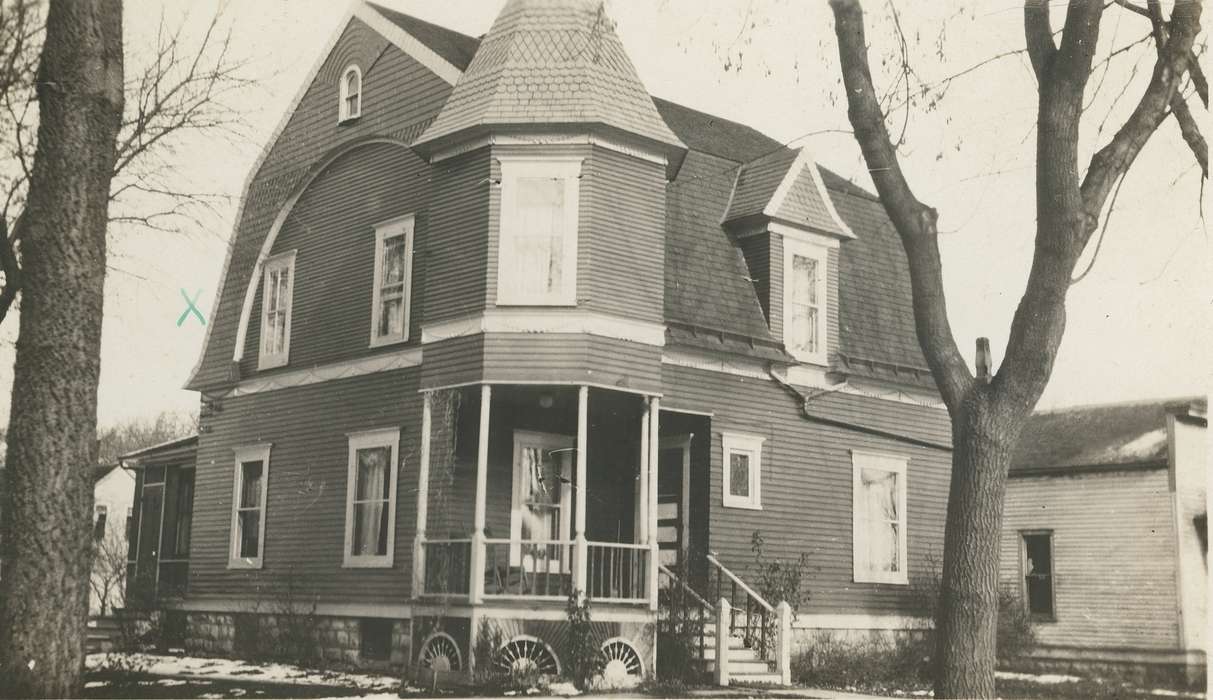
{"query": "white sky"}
[(1138, 325)]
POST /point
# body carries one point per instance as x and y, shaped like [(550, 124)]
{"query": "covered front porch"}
[(529, 493)]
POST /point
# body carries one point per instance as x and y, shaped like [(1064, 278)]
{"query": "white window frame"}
[(266, 360), (251, 453), (343, 112), (389, 229), (897, 464), (566, 168), (381, 437), (821, 255), (750, 445), (550, 442)]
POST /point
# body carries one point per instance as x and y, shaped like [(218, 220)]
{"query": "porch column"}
[(423, 497), (642, 491), (579, 543), (476, 585), (654, 443)]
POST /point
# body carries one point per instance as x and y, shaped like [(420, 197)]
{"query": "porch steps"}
[(745, 666), (102, 635)]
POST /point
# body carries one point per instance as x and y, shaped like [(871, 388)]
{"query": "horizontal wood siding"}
[(1113, 556), (453, 361), (332, 230), (400, 97), (807, 486), (572, 357), (457, 253), (305, 518)]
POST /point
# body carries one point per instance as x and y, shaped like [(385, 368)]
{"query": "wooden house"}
[(497, 325)]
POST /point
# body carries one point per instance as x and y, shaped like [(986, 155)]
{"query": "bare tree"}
[(988, 411), (108, 578), (124, 438)]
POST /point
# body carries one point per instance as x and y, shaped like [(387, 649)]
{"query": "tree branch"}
[(10, 267), (1039, 35), (915, 222)]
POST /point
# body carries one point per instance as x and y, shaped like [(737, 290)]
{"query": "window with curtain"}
[(538, 241), (276, 310), (393, 273), (879, 518), (370, 512), (804, 300), (351, 94), (248, 508)]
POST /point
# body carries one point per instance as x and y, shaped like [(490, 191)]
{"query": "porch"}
[(529, 493)]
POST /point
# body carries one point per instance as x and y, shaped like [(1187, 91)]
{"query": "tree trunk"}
[(967, 624), (53, 422)]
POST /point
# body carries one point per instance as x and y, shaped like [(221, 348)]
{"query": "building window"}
[(249, 490), (804, 318), (376, 638), (742, 471), (393, 282), (99, 522), (370, 512), (1037, 563), (879, 510), (279, 283), (537, 253), (542, 503), (130, 524), (351, 94)]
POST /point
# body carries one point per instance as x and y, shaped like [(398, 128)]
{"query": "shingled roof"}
[(1119, 435), (551, 62)]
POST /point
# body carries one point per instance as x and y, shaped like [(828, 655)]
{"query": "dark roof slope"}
[(1108, 435), (457, 49)]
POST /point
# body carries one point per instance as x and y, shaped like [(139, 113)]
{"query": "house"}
[(1105, 534), (161, 525), (497, 325)]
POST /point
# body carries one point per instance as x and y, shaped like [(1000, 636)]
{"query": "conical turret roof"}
[(551, 62)]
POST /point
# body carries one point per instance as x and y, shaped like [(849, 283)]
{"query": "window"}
[(130, 524), (742, 471), (542, 503), (804, 318), (393, 282), (99, 523), (276, 293), (1037, 563), (375, 638), (249, 492), (537, 261), (370, 507), (351, 94), (879, 517)]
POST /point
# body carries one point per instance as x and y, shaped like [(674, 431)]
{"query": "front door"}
[(673, 496), (542, 501)]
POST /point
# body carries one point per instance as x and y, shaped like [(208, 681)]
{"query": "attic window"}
[(804, 302), (351, 94)]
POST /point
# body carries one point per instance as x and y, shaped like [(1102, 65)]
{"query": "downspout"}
[(804, 400)]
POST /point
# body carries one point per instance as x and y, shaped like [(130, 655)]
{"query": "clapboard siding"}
[(400, 97), (453, 361), (332, 231), (458, 250), (1113, 556), (305, 510), (807, 486), (572, 357)]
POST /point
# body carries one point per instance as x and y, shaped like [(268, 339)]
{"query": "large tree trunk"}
[(53, 423), (967, 622)]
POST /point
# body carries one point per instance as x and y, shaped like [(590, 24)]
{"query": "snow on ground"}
[(233, 669), (1046, 678)]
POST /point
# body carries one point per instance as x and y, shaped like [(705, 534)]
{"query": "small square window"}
[(742, 470), (376, 638)]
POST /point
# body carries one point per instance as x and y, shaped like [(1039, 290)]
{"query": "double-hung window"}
[(393, 281), (370, 506), (537, 250), (1037, 564), (879, 510), (804, 318), (742, 470), (276, 292), (247, 546), (351, 94)]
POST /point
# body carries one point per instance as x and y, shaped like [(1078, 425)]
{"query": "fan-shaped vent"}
[(623, 666), (526, 654), (439, 652)]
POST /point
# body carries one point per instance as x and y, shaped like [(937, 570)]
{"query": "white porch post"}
[(651, 500), (423, 497), (642, 489), (476, 585), (579, 543), (722, 642)]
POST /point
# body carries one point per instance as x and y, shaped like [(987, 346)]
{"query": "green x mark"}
[(190, 308)]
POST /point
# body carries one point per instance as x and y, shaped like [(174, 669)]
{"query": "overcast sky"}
[(1138, 324)]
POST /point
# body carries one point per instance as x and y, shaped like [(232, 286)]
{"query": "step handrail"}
[(685, 586), (741, 584)]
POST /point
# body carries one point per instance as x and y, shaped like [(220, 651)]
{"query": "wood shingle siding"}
[(807, 482), (1113, 565)]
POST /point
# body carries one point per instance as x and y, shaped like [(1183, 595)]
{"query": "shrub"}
[(679, 632), (878, 663), (585, 658), (779, 579)]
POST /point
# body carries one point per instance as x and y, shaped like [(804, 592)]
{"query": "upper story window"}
[(879, 512), (537, 254), (99, 522), (279, 282), (351, 94), (370, 512), (804, 316), (393, 281), (247, 546), (742, 471)]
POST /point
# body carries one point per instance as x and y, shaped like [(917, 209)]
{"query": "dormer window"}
[(276, 295), (804, 317), (351, 94), (393, 281), (537, 249)]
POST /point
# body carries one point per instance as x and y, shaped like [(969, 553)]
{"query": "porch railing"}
[(447, 567), (528, 569), (749, 613), (618, 572)]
